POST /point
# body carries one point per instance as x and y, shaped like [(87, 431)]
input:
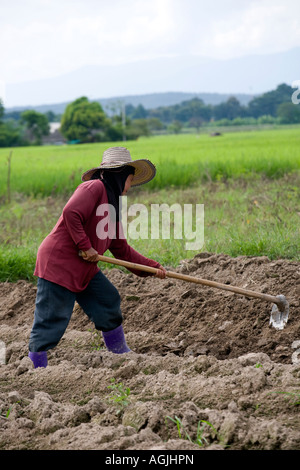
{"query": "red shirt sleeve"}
[(121, 250), (75, 214)]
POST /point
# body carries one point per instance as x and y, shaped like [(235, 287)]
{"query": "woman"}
[(64, 277)]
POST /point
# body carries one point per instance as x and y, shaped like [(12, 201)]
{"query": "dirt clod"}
[(206, 370)]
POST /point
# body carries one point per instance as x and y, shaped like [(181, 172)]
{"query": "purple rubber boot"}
[(39, 359), (115, 340)]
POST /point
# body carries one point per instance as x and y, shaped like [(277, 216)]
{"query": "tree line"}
[(272, 107), (86, 121)]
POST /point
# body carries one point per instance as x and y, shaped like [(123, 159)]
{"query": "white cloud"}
[(44, 45), (262, 28), (45, 38)]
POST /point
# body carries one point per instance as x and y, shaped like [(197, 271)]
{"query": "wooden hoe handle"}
[(184, 277)]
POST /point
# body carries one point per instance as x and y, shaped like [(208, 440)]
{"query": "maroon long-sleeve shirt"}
[(76, 229)]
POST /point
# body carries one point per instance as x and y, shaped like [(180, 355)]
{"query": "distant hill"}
[(160, 81), (149, 101)]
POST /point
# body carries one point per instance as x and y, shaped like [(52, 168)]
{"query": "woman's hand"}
[(161, 272), (91, 255)]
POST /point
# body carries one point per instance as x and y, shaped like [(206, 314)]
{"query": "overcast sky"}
[(46, 38)]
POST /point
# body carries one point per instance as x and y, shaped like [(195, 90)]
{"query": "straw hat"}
[(117, 157)]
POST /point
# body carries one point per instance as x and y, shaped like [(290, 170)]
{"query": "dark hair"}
[(114, 181), (95, 175), (100, 172)]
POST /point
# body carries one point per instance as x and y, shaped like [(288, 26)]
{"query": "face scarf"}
[(114, 182)]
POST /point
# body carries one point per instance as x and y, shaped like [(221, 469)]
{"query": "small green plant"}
[(258, 365), (8, 411), (97, 342), (119, 395), (179, 425), (200, 429), (294, 397), (6, 415), (182, 433)]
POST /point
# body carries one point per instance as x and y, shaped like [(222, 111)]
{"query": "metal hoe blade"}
[(279, 315)]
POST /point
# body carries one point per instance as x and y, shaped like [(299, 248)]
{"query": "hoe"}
[(280, 308)]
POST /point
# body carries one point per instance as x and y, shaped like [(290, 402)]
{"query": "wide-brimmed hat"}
[(117, 157)]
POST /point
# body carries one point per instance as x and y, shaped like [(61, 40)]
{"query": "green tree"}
[(52, 117), (154, 124), (11, 135), (175, 127), (267, 103), (37, 125), (1, 110), (140, 112), (196, 122), (231, 109), (129, 110), (84, 121), (137, 128), (288, 113), (191, 110), (118, 126), (15, 115), (163, 113)]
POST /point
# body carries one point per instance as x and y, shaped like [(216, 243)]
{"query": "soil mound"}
[(205, 357)]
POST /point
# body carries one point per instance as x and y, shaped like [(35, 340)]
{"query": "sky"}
[(47, 38)]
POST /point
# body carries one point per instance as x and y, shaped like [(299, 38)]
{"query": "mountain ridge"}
[(148, 100), (244, 76)]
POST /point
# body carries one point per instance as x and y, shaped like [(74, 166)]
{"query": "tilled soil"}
[(205, 357)]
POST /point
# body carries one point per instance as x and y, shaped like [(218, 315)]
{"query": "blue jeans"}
[(54, 307)]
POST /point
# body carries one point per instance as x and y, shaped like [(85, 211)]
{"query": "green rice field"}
[(247, 181), (181, 160)]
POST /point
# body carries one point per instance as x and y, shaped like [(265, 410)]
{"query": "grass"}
[(200, 440), (24, 223), (181, 160), (292, 397), (247, 181), (258, 218), (6, 415), (119, 395), (240, 218), (97, 341), (16, 263)]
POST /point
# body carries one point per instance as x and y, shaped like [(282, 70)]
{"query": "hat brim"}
[(145, 171)]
